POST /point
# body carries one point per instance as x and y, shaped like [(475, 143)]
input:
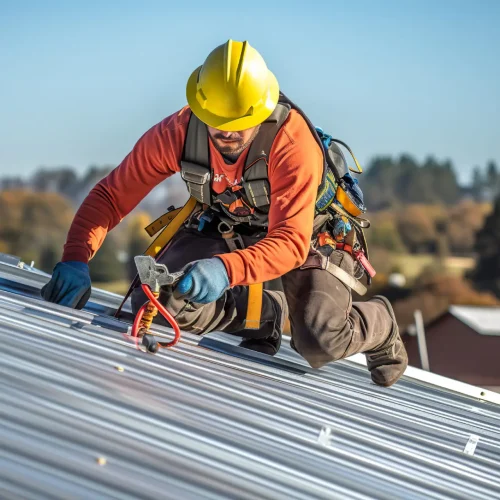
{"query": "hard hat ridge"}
[(233, 89)]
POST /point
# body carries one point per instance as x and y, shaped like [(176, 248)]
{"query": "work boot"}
[(271, 345), (389, 361)]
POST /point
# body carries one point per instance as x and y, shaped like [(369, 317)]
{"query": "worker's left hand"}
[(69, 286), (204, 282)]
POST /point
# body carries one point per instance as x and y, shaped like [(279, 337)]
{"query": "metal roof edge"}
[(454, 310), (441, 381)]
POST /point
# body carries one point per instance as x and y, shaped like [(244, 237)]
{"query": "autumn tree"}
[(32, 224), (417, 230), (383, 233)]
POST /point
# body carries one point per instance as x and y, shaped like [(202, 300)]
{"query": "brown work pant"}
[(325, 324)]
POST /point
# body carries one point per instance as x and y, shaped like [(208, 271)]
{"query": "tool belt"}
[(351, 240), (214, 223), (317, 260)]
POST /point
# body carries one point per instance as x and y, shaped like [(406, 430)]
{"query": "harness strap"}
[(343, 276), (320, 261), (175, 224), (255, 177), (197, 174), (235, 242), (254, 306), (195, 163), (161, 222), (196, 148)]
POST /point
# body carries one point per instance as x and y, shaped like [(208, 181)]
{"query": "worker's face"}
[(232, 143)]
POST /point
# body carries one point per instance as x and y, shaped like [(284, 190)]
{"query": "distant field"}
[(412, 265)]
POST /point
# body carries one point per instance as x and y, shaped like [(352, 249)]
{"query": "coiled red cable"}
[(163, 311)]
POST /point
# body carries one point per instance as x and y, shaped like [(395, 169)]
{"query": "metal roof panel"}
[(84, 413), (484, 320)]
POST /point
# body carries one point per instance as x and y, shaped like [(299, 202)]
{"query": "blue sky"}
[(81, 81)]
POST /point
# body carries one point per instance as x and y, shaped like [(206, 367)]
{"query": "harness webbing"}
[(256, 193), (171, 228)]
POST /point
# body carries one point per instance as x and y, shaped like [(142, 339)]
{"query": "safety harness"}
[(338, 199), (247, 205), (249, 202)]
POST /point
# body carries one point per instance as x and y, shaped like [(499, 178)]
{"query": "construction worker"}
[(268, 216)]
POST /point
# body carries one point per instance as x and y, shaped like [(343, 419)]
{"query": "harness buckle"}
[(225, 228), (233, 240)]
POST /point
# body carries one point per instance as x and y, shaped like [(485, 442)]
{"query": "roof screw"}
[(120, 368), (101, 461)]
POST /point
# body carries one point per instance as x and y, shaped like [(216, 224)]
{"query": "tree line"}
[(414, 208), (388, 182), (391, 182)]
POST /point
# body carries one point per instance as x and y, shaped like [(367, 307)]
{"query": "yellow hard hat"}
[(233, 90)]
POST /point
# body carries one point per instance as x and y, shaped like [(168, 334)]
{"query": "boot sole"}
[(396, 337)]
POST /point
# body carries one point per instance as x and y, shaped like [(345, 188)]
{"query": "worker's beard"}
[(235, 149)]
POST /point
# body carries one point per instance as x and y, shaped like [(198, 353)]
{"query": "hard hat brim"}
[(232, 124)]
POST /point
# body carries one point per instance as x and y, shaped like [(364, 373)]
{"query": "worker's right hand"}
[(204, 281), (69, 286)]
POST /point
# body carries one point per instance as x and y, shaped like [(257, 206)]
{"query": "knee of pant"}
[(323, 343), (318, 353)]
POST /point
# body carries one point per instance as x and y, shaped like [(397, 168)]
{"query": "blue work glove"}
[(204, 282), (69, 286)]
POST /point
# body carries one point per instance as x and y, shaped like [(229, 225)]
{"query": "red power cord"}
[(163, 311)]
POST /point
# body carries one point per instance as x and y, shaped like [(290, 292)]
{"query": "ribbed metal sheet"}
[(484, 320), (84, 414)]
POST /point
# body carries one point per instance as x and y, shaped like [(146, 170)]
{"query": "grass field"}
[(413, 265)]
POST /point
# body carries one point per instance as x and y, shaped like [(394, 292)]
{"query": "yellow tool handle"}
[(149, 314), (175, 224)]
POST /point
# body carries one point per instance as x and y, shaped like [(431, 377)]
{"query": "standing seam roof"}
[(84, 414), (484, 320)]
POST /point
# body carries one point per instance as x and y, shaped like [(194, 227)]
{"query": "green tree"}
[(477, 183), (384, 234), (390, 183), (493, 178), (61, 180), (444, 183), (486, 275), (378, 184)]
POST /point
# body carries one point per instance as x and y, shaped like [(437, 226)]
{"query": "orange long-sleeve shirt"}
[(295, 169)]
